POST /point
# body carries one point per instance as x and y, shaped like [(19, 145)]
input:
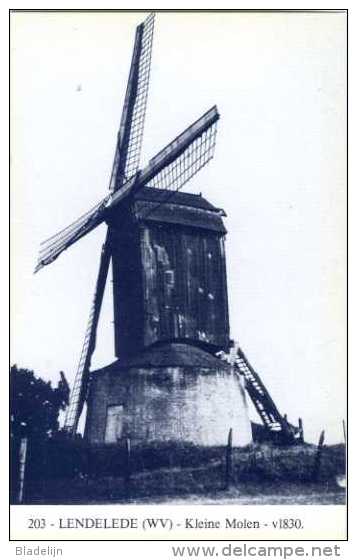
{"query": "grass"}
[(171, 472)]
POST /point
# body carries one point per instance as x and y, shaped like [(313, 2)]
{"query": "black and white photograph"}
[(178, 259)]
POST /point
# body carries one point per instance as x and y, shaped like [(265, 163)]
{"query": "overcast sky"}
[(279, 171)]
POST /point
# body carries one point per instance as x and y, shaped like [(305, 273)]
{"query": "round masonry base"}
[(161, 400)]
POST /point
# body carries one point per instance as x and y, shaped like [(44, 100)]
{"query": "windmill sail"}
[(130, 135), (80, 385), (55, 245), (126, 162), (185, 166), (52, 247), (194, 156), (189, 151)]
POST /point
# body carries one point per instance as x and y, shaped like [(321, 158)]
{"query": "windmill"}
[(158, 184)]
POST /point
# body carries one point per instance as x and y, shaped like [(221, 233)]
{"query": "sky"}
[(278, 80)]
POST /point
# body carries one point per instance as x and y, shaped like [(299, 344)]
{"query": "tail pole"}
[(274, 422)]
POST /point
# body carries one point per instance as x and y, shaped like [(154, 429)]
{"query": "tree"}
[(34, 404)]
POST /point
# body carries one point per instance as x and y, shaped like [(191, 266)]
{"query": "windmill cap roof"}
[(151, 194), (178, 208), (170, 354)]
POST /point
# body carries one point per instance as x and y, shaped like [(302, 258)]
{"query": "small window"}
[(114, 424), (169, 278)]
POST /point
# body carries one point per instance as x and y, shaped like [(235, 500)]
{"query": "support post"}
[(344, 431), (127, 476), (317, 464), (229, 461), (301, 430), (22, 468)]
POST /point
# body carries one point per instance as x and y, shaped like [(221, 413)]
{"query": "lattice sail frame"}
[(131, 130), (175, 175), (139, 109), (52, 247), (80, 385)]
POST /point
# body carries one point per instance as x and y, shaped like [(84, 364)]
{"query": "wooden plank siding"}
[(169, 274)]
